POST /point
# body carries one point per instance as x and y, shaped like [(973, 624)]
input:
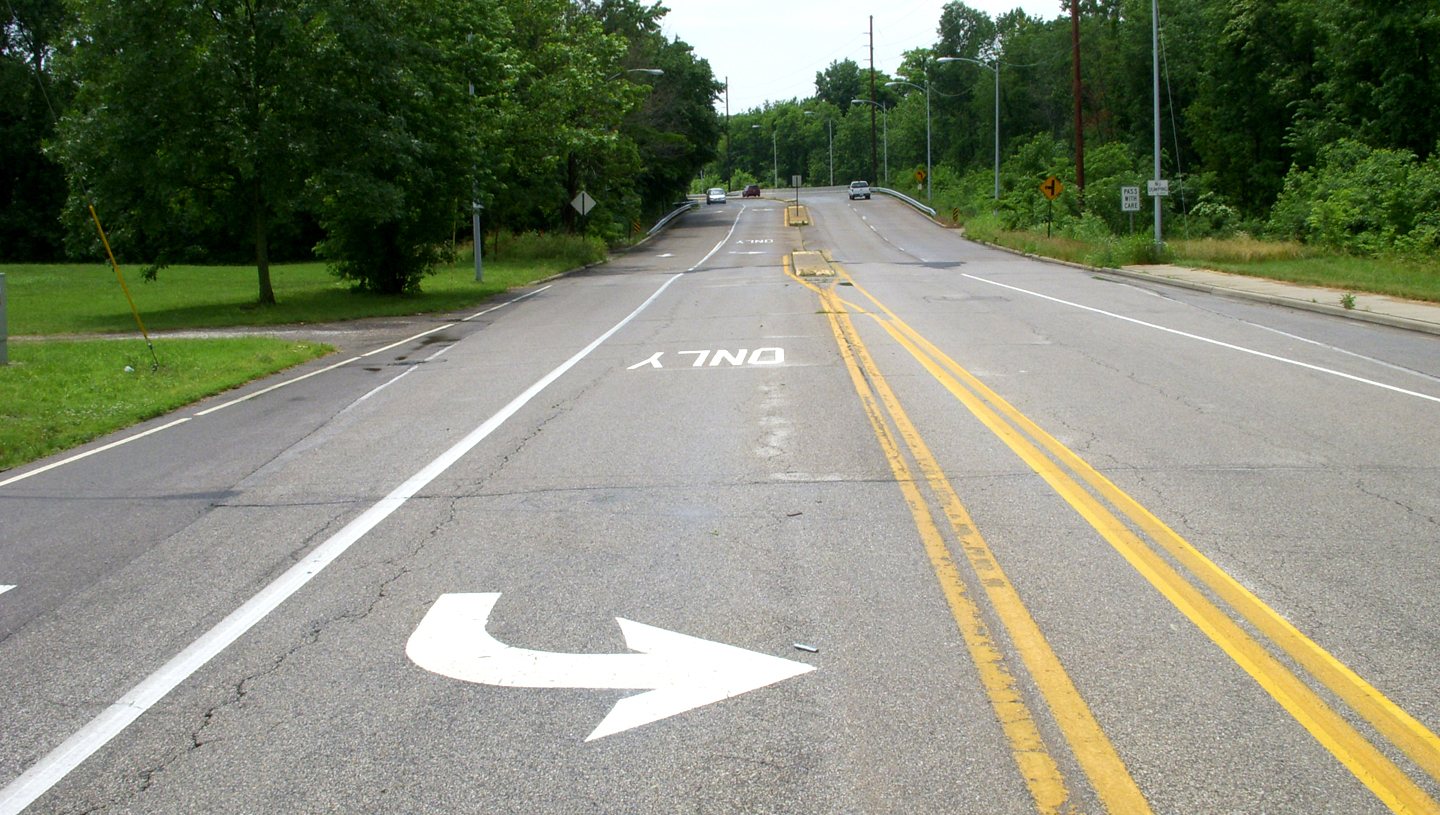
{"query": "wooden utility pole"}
[(1079, 121), (727, 134), (874, 179)]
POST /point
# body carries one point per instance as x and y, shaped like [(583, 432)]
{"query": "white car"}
[(715, 195), (859, 189)]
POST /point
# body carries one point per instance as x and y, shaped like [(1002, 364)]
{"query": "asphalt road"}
[(995, 536)]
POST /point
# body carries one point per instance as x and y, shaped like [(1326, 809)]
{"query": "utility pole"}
[(1155, 59), (872, 98), (1079, 122), (727, 134)]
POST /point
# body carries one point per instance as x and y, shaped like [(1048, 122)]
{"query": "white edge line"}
[(250, 396), (723, 241), (48, 771), (504, 304), (1239, 348), (407, 339), (78, 456)]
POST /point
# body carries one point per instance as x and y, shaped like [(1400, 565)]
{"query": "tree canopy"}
[(358, 130)]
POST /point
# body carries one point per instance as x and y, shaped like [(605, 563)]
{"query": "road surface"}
[(946, 531)]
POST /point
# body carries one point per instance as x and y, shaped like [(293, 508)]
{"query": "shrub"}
[(1362, 200)]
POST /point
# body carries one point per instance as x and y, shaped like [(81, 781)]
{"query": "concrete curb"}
[(1388, 320)]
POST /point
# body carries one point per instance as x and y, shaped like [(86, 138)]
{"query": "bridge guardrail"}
[(907, 199)]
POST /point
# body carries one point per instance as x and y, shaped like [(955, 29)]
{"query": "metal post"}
[(886, 116), (4, 334), (1155, 58), (775, 153), (479, 240), (830, 128), (929, 183), (475, 210), (997, 128)]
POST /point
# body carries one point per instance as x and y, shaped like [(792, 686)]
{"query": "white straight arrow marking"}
[(678, 672)]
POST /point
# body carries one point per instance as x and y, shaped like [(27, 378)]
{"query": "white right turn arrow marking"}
[(678, 672)]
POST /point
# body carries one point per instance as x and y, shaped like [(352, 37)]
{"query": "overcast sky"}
[(771, 49)]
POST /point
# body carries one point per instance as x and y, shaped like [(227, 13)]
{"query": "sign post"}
[(479, 238), (1130, 202), (1050, 188)]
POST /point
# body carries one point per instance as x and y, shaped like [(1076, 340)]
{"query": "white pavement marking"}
[(1188, 335), (382, 386), (653, 361), (678, 672), (58, 763), (52, 465), (504, 304), (126, 440), (4, 589)]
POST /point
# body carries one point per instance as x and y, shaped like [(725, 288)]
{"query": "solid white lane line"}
[(382, 386), (52, 465), (48, 771), (407, 339), (1232, 347), (276, 386), (723, 241), (248, 397), (504, 304)]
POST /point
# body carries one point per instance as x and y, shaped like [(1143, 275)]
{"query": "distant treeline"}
[(358, 130), (1299, 119)]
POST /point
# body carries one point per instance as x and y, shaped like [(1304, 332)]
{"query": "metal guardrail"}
[(660, 224), (907, 199)]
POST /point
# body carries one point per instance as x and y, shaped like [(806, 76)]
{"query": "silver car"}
[(715, 195)]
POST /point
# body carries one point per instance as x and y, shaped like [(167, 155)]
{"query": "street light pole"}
[(885, 120), (929, 185), (775, 151), (995, 69), (830, 129), (1155, 58)]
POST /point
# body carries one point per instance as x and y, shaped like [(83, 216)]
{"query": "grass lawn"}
[(1398, 277), (55, 395), (1410, 278), (85, 298)]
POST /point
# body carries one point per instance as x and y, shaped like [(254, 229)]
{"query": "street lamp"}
[(996, 70), (927, 127), (775, 149), (649, 71), (830, 128), (885, 119)]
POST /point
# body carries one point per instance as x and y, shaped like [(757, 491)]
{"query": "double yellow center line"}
[(1070, 476)]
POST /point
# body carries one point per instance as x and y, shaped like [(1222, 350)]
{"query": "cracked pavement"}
[(747, 504)]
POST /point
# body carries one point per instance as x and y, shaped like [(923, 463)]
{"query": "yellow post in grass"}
[(125, 289)]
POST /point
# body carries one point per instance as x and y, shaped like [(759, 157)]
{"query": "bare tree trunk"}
[(262, 246)]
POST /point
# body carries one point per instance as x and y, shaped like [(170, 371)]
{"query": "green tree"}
[(32, 185), (191, 118), (840, 83)]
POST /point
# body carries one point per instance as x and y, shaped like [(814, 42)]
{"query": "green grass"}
[(55, 395), (1410, 278), (1398, 277), (85, 298)]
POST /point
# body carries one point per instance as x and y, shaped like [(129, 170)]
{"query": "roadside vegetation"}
[(56, 395), (1297, 137), (47, 299), (358, 134)]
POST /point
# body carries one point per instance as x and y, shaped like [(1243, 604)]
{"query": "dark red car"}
[(752, 191)]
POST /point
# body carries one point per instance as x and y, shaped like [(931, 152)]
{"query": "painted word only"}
[(744, 356)]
